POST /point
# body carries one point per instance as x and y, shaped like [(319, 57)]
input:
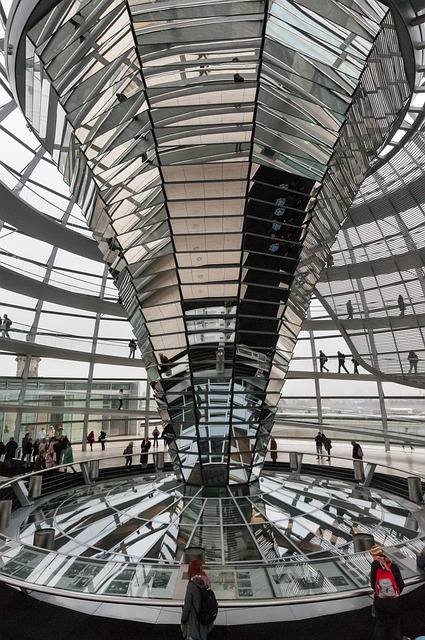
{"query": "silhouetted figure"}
[(273, 450), (165, 366), (203, 68), (401, 304), (155, 435), (413, 362), (90, 440), (238, 78), (102, 438), (357, 450), (145, 445), (128, 453), (132, 345), (355, 365), (319, 444), (330, 261), (327, 443), (5, 326), (120, 398), (350, 310), (341, 362), (323, 360)]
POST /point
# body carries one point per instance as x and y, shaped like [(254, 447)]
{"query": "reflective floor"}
[(156, 519)]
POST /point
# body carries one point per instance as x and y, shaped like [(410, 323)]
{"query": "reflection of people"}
[(238, 78), (401, 304), (350, 310), (413, 362), (165, 366), (190, 626), (273, 450), (387, 585), (330, 261), (168, 434), (323, 360), (132, 345), (341, 362)]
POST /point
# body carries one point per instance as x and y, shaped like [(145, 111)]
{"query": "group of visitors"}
[(37, 454), (323, 358), (322, 442), (349, 305), (145, 446)]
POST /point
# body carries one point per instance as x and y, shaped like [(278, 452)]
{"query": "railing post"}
[(415, 489), (35, 486), (44, 538), (158, 459), (21, 493), (84, 466), (5, 513), (295, 461), (94, 469), (358, 470), (362, 542), (369, 471)]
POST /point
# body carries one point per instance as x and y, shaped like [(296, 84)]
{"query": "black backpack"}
[(209, 607)]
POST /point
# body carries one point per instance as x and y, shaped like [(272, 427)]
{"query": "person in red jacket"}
[(90, 440), (387, 585)]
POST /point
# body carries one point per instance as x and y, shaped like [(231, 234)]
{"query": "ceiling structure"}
[(214, 151)]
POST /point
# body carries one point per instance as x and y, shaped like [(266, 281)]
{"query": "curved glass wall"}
[(27, 170), (242, 157)]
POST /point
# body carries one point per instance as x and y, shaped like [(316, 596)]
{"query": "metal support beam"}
[(368, 473), (84, 466), (21, 493)]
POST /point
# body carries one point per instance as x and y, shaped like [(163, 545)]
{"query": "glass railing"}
[(114, 575)]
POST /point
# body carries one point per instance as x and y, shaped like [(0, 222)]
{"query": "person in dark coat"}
[(341, 362), (132, 345), (323, 360), (27, 454), (190, 627), (102, 439), (128, 453), (319, 444), (10, 452), (328, 445), (387, 610), (357, 450), (145, 445), (273, 450)]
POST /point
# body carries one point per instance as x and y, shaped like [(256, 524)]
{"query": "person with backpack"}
[(200, 604), (357, 450), (387, 585)]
